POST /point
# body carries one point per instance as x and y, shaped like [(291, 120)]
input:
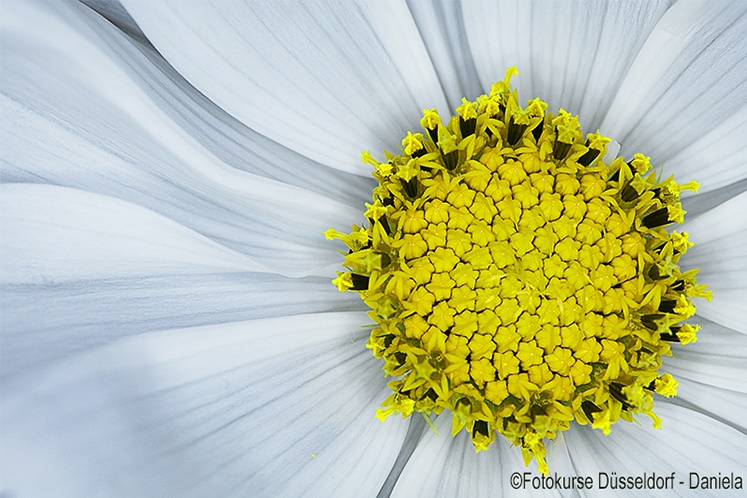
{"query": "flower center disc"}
[(518, 280)]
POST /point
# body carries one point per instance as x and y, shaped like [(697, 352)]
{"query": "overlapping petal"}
[(572, 54), (78, 105), (688, 78), (681, 446), (443, 466), (711, 374), (82, 269), (720, 238), (446, 36), (716, 360), (326, 79), (220, 410), (227, 138)]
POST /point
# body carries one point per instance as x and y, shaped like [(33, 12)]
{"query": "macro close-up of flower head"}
[(366, 248)]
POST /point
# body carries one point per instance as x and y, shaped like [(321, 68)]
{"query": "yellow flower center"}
[(518, 280)]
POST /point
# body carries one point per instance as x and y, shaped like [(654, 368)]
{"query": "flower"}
[(168, 325)]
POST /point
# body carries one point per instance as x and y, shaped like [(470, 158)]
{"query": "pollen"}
[(517, 279)]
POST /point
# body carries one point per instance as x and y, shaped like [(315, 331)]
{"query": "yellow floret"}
[(517, 277)]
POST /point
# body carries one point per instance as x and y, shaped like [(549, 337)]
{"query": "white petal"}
[(717, 358), (443, 466), (721, 222), (688, 442), (81, 269), (55, 234), (720, 236), (722, 147), (42, 322), (108, 58), (325, 79), (695, 205), (222, 134), (444, 32), (275, 407), (688, 78), (113, 11), (727, 308), (570, 54), (75, 104), (728, 407), (415, 430)]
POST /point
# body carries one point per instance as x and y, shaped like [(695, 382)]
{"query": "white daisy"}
[(168, 323)]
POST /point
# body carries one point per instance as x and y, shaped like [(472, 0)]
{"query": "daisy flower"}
[(169, 168)]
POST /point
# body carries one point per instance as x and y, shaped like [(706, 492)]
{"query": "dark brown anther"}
[(433, 133), (480, 427), (537, 411), (658, 218), (467, 126), (560, 150), (411, 187), (671, 336), (400, 357), (616, 392), (654, 273), (451, 159), (384, 222), (360, 282), (628, 193), (430, 394), (537, 130), (515, 132), (588, 157), (667, 305), (649, 321), (590, 409)]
